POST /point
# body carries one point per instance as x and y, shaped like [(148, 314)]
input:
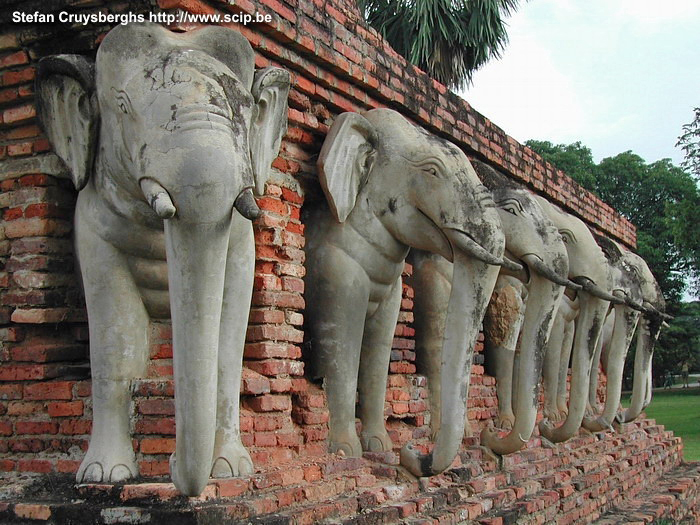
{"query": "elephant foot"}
[(346, 444), (556, 416), (591, 412), (505, 421), (563, 413), (107, 466), (376, 441), (232, 461), (552, 414)]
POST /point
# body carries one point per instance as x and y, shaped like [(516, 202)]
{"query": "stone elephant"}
[(588, 268), (390, 185), (634, 282), (164, 136), (521, 310)]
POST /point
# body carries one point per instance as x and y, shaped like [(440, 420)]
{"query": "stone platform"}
[(635, 475)]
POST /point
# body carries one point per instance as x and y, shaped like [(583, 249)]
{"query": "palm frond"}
[(449, 39)]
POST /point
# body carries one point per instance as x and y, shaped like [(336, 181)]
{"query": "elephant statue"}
[(588, 268), (522, 309), (165, 135), (390, 185), (634, 282)]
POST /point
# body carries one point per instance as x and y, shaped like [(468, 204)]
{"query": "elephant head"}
[(391, 186), (589, 268), (170, 131), (531, 238), (651, 322)]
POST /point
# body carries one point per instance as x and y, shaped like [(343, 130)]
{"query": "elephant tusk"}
[(590, 287), (246, 205), (462, 242), (158, 198), (634, 305), (511, 265), (650, 310), (534, 262)]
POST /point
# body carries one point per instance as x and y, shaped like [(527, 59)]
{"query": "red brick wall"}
[(337, 64)]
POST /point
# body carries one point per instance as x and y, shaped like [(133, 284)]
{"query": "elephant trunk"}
[(642, 370), (472, 283), (543, 299), (589, 325), (623, 331), (196, 254)]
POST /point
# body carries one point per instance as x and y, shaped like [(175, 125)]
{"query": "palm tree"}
[(449, 39)]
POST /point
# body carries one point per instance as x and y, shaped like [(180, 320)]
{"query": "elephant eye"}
[(123, 102), (511, 206), (567, 236), (431, 171)]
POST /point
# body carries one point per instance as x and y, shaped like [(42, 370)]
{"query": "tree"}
[(659, 199), (448, 39), (689, 142), (576, 160), (680, 342)]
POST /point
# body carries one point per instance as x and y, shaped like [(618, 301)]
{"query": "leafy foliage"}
[(576, 160), (689, 142), (681, 340), (449, 39)]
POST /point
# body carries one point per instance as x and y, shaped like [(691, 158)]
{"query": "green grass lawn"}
[(678, 410)]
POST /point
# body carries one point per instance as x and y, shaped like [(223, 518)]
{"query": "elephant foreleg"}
[(230, 456), (374, 369), (567, 347), (568, 309), (337, 299), (502, 324), (552, 364), (118, 324), (592, 405)]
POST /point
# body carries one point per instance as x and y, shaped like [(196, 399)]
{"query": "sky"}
[(617, 75)]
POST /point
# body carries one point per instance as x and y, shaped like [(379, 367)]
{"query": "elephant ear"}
[(270, 90), (346, 158), (68, 111)]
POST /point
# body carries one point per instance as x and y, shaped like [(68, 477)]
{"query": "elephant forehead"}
[(398, 135), (137, 43)]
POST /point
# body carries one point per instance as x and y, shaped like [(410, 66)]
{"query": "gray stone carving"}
[(391, 186), (633, 282), (520, 313), (589, 268), (164, 136), (533, 239)]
